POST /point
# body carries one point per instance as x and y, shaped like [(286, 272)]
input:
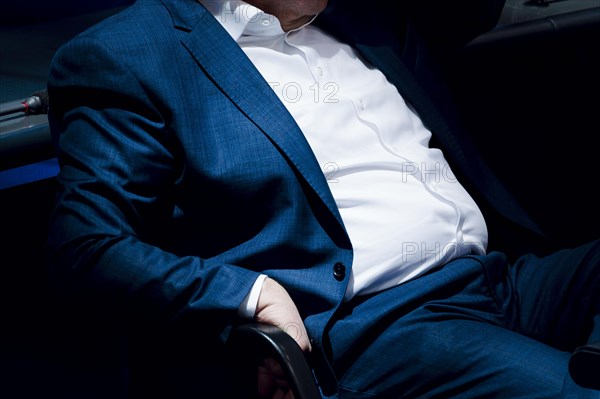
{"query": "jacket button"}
[(339, 271)]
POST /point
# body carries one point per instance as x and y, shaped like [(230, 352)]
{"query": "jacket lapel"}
[(214, 51), (456, 149), (226, 64), (380, 48)]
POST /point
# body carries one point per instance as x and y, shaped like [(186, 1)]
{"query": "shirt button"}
[(320, 71), (339, 271)]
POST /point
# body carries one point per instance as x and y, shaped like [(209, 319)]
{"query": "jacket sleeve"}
[(118, 171)]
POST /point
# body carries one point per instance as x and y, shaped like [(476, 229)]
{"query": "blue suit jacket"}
[(184, 177)]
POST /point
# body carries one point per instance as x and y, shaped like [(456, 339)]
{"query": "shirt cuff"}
[(247, 308)]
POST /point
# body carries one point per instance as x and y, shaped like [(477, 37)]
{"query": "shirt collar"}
[(242, 19)]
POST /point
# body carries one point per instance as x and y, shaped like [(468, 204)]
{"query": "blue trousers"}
[(478, 327)]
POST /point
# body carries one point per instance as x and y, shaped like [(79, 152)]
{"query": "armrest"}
[(584, 366), (249, 343)]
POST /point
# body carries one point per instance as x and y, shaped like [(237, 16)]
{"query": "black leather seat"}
[(584, 366), (253, 342)]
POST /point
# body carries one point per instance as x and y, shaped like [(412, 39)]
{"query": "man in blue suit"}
[(282, 161)]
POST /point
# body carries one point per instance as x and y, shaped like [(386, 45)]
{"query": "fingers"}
[(300, 335), (272, 381), (276, 307)]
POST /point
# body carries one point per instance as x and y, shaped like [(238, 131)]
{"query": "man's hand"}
[(275, 307), (272, 383)]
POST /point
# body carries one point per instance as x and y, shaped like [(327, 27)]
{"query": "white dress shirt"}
[(402, 206)]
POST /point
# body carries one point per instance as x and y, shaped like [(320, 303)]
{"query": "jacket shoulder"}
[(143, 20)]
